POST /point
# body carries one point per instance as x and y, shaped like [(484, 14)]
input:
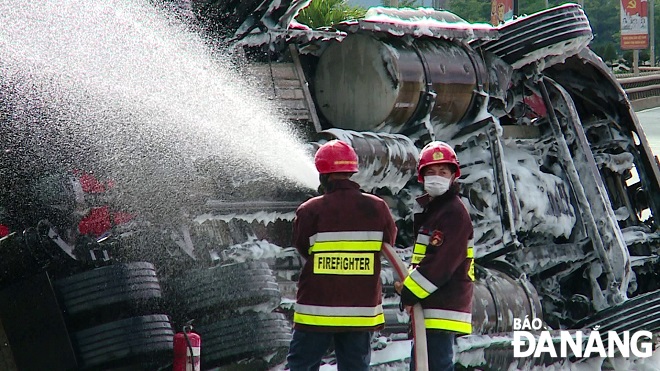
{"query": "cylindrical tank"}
[(500, 298), (383, 158), (364, 83)]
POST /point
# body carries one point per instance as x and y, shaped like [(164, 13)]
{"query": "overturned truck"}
[(557, 175)]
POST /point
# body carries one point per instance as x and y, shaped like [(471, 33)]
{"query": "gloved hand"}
[(398, 286)]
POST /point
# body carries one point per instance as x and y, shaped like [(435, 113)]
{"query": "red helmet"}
[(336, 156), (436, 153)]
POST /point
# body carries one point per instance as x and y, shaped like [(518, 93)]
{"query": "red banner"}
[(634, 24)]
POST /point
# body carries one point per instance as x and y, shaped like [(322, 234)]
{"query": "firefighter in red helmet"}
[(442, 267), (340, 235)]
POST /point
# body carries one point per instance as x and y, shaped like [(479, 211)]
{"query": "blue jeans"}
[(353, 350), (440, 346)]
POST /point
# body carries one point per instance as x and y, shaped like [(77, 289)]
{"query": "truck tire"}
[(132, 284), (225, 288), (246, 337), (138, 340)]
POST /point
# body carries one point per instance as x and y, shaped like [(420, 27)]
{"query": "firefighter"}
[(442, 268), (340, 235)]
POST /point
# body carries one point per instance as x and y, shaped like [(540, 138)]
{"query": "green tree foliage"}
[(604, 18), (324, 13), (609, 53), (475, 11)]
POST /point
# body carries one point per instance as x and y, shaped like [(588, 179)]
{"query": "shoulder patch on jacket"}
[(437, 238)]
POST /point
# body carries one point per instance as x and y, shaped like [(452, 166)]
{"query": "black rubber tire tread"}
[(638, 324), (514, 33), (249, 335), (641, 321), (130, 290), (235, 269), (124, 340), (634, 304), (538, 31), (128, 281), (255, 295), (240, 341), (233, 285), (224, 284), (249, 297), (248, 323), (250, 290), (110, 336), (224, 288), (511, 58), (624, 320), (509, 32), (106, 286), (238, 330), (191, 280), (220, 275), (81, 280)]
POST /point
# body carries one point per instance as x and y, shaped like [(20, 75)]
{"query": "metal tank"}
[(367, 82), (383, 158)]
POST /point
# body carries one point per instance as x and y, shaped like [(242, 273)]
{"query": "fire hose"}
[(417, 316)]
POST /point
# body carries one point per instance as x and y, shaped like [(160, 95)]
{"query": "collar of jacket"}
[(428, 202), (342, 184)]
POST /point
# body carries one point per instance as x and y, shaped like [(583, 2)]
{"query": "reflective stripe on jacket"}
[(340, 235), (316, 315)]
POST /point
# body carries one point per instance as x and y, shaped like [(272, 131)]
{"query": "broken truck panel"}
[(558, 177)]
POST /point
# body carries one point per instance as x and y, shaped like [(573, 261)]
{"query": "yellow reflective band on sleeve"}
[(344, 263), (448, 325), (470, 255), (415, 288), (346, 246), (314, 320), (416, 258), (419, 249)]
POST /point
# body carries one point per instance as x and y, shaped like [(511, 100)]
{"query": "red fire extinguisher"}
[(187, 350)]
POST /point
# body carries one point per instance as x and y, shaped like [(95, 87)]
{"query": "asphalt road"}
[(650, 120)]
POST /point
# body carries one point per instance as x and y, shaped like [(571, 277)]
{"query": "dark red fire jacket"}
[(442, 270), (340, 235)]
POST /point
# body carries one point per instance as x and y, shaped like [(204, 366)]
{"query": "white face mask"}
[(436, 185)]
